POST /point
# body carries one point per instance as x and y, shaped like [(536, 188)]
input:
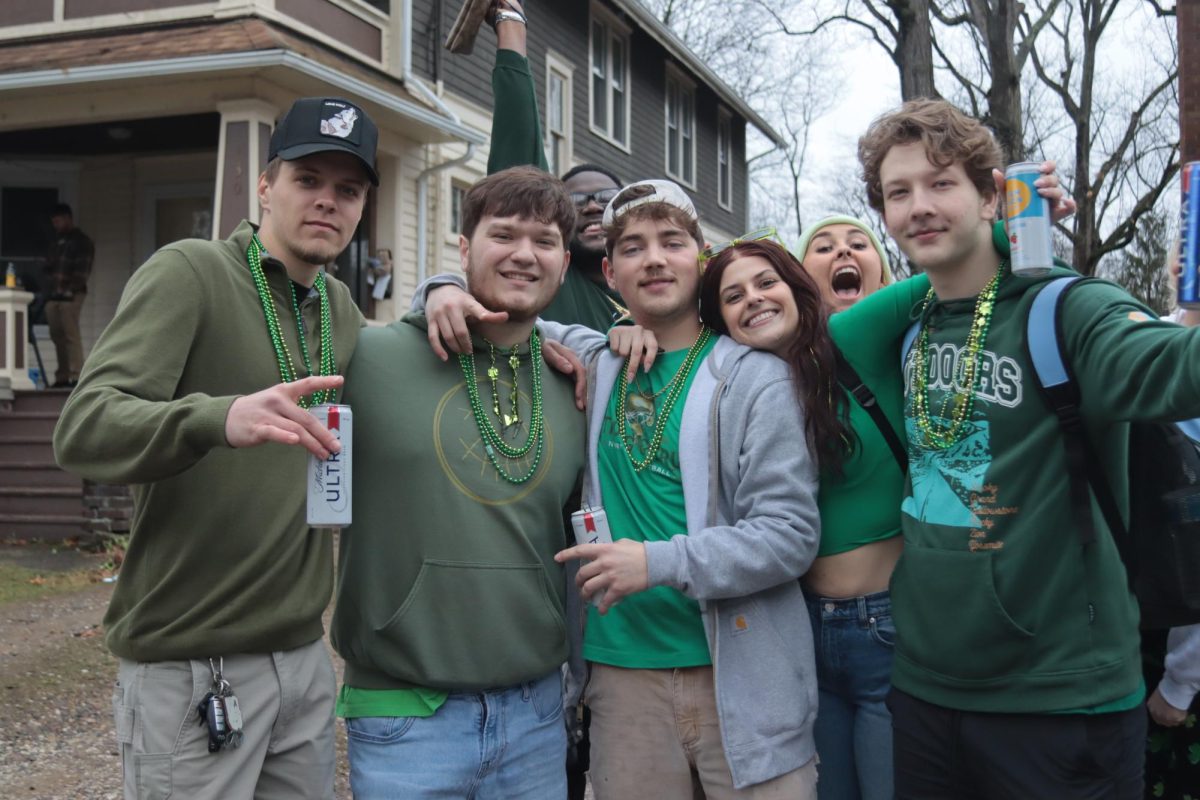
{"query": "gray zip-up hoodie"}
[(749, 486)]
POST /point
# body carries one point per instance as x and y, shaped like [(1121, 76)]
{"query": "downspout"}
[(411, 81)]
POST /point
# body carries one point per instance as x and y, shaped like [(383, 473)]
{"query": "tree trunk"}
[(914, 48), (1004, 94)]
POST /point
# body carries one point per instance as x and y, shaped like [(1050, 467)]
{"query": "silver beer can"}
[(329, 479), (1029, 234), (591, 527)]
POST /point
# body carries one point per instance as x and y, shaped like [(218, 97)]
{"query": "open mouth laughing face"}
[(845, 265)]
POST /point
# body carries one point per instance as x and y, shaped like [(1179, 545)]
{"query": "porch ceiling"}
[(228, 50)]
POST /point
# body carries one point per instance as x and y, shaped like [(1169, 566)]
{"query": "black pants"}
[(943, 754)]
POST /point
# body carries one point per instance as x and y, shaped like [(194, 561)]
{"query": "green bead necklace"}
[(493, 443), (493, 376), (660, 423), (937, 435), (287, 369)]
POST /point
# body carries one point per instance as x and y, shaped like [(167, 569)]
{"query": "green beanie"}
[(844, 219)]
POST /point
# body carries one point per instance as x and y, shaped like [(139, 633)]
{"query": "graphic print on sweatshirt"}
[(462, 454), (949, 485)]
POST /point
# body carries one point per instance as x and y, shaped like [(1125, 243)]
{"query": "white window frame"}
[(456, 185), (676, 81), (614, 31), (558, 66), (725, 170)]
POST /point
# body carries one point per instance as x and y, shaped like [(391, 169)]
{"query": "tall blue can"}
[(1189, 236), (1029, 234)]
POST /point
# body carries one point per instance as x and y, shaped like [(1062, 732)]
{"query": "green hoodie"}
[(998, 606), (220, 558), (447, 579)]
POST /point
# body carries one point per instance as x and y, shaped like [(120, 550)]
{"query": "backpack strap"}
[(853, 384), (910, 336), (1044, 340)]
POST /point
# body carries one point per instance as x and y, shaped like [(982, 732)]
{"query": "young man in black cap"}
[(224, 583)]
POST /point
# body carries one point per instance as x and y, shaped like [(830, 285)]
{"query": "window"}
[(610, 79), (458, 193), (724, 159), (558, 113), (681, 129)]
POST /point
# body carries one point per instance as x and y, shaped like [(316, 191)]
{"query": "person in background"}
[(68, 265)]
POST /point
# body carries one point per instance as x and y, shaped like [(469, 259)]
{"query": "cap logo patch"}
[(340, 124)]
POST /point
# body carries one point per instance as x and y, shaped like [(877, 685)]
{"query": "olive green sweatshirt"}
[(447, 578), (220, 559)]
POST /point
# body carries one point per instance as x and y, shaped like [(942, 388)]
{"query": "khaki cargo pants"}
[(287, 701)]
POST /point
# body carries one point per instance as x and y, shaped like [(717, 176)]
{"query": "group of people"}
[(821, 558)]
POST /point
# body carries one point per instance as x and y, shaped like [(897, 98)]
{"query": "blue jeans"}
[(500, 743), (854, 638)]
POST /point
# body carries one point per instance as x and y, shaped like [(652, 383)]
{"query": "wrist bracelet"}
[(505, 15)]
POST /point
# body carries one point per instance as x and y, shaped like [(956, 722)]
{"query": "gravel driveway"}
[(56, 740)]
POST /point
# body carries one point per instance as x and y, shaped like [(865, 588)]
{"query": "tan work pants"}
[(63, 319), (287, 703), (655, 734)]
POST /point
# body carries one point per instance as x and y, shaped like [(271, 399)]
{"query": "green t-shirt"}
[(353, 703), (659, 628)]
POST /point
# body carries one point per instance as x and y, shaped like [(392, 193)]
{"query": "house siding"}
[(564, 28)]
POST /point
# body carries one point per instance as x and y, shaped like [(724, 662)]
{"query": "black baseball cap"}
[(318, 124)]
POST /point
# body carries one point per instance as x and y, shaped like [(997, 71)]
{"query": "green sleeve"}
[(869, 333), (516, 124), (123, 423), (1130, 365)]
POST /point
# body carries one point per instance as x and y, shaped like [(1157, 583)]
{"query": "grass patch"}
[(18, 583)]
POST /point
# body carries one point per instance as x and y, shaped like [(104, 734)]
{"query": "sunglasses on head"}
[(601, 196), (757, 235)]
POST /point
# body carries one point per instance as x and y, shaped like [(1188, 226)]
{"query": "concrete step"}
[(35, 472), (26, 448), (28, 423), (41, 526), (41, 500)]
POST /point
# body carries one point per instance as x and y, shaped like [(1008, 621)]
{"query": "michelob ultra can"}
[(329, 480), (1189, 236), (591, 527), (1028, 221)]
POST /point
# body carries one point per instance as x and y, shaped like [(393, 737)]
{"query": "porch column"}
[(14, 306), (241, 157)]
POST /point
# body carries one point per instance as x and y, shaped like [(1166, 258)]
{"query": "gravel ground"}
[(57, 741), (56, 730)]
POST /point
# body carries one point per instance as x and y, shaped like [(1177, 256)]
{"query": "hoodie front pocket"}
[(467, 625), (949, 618)]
